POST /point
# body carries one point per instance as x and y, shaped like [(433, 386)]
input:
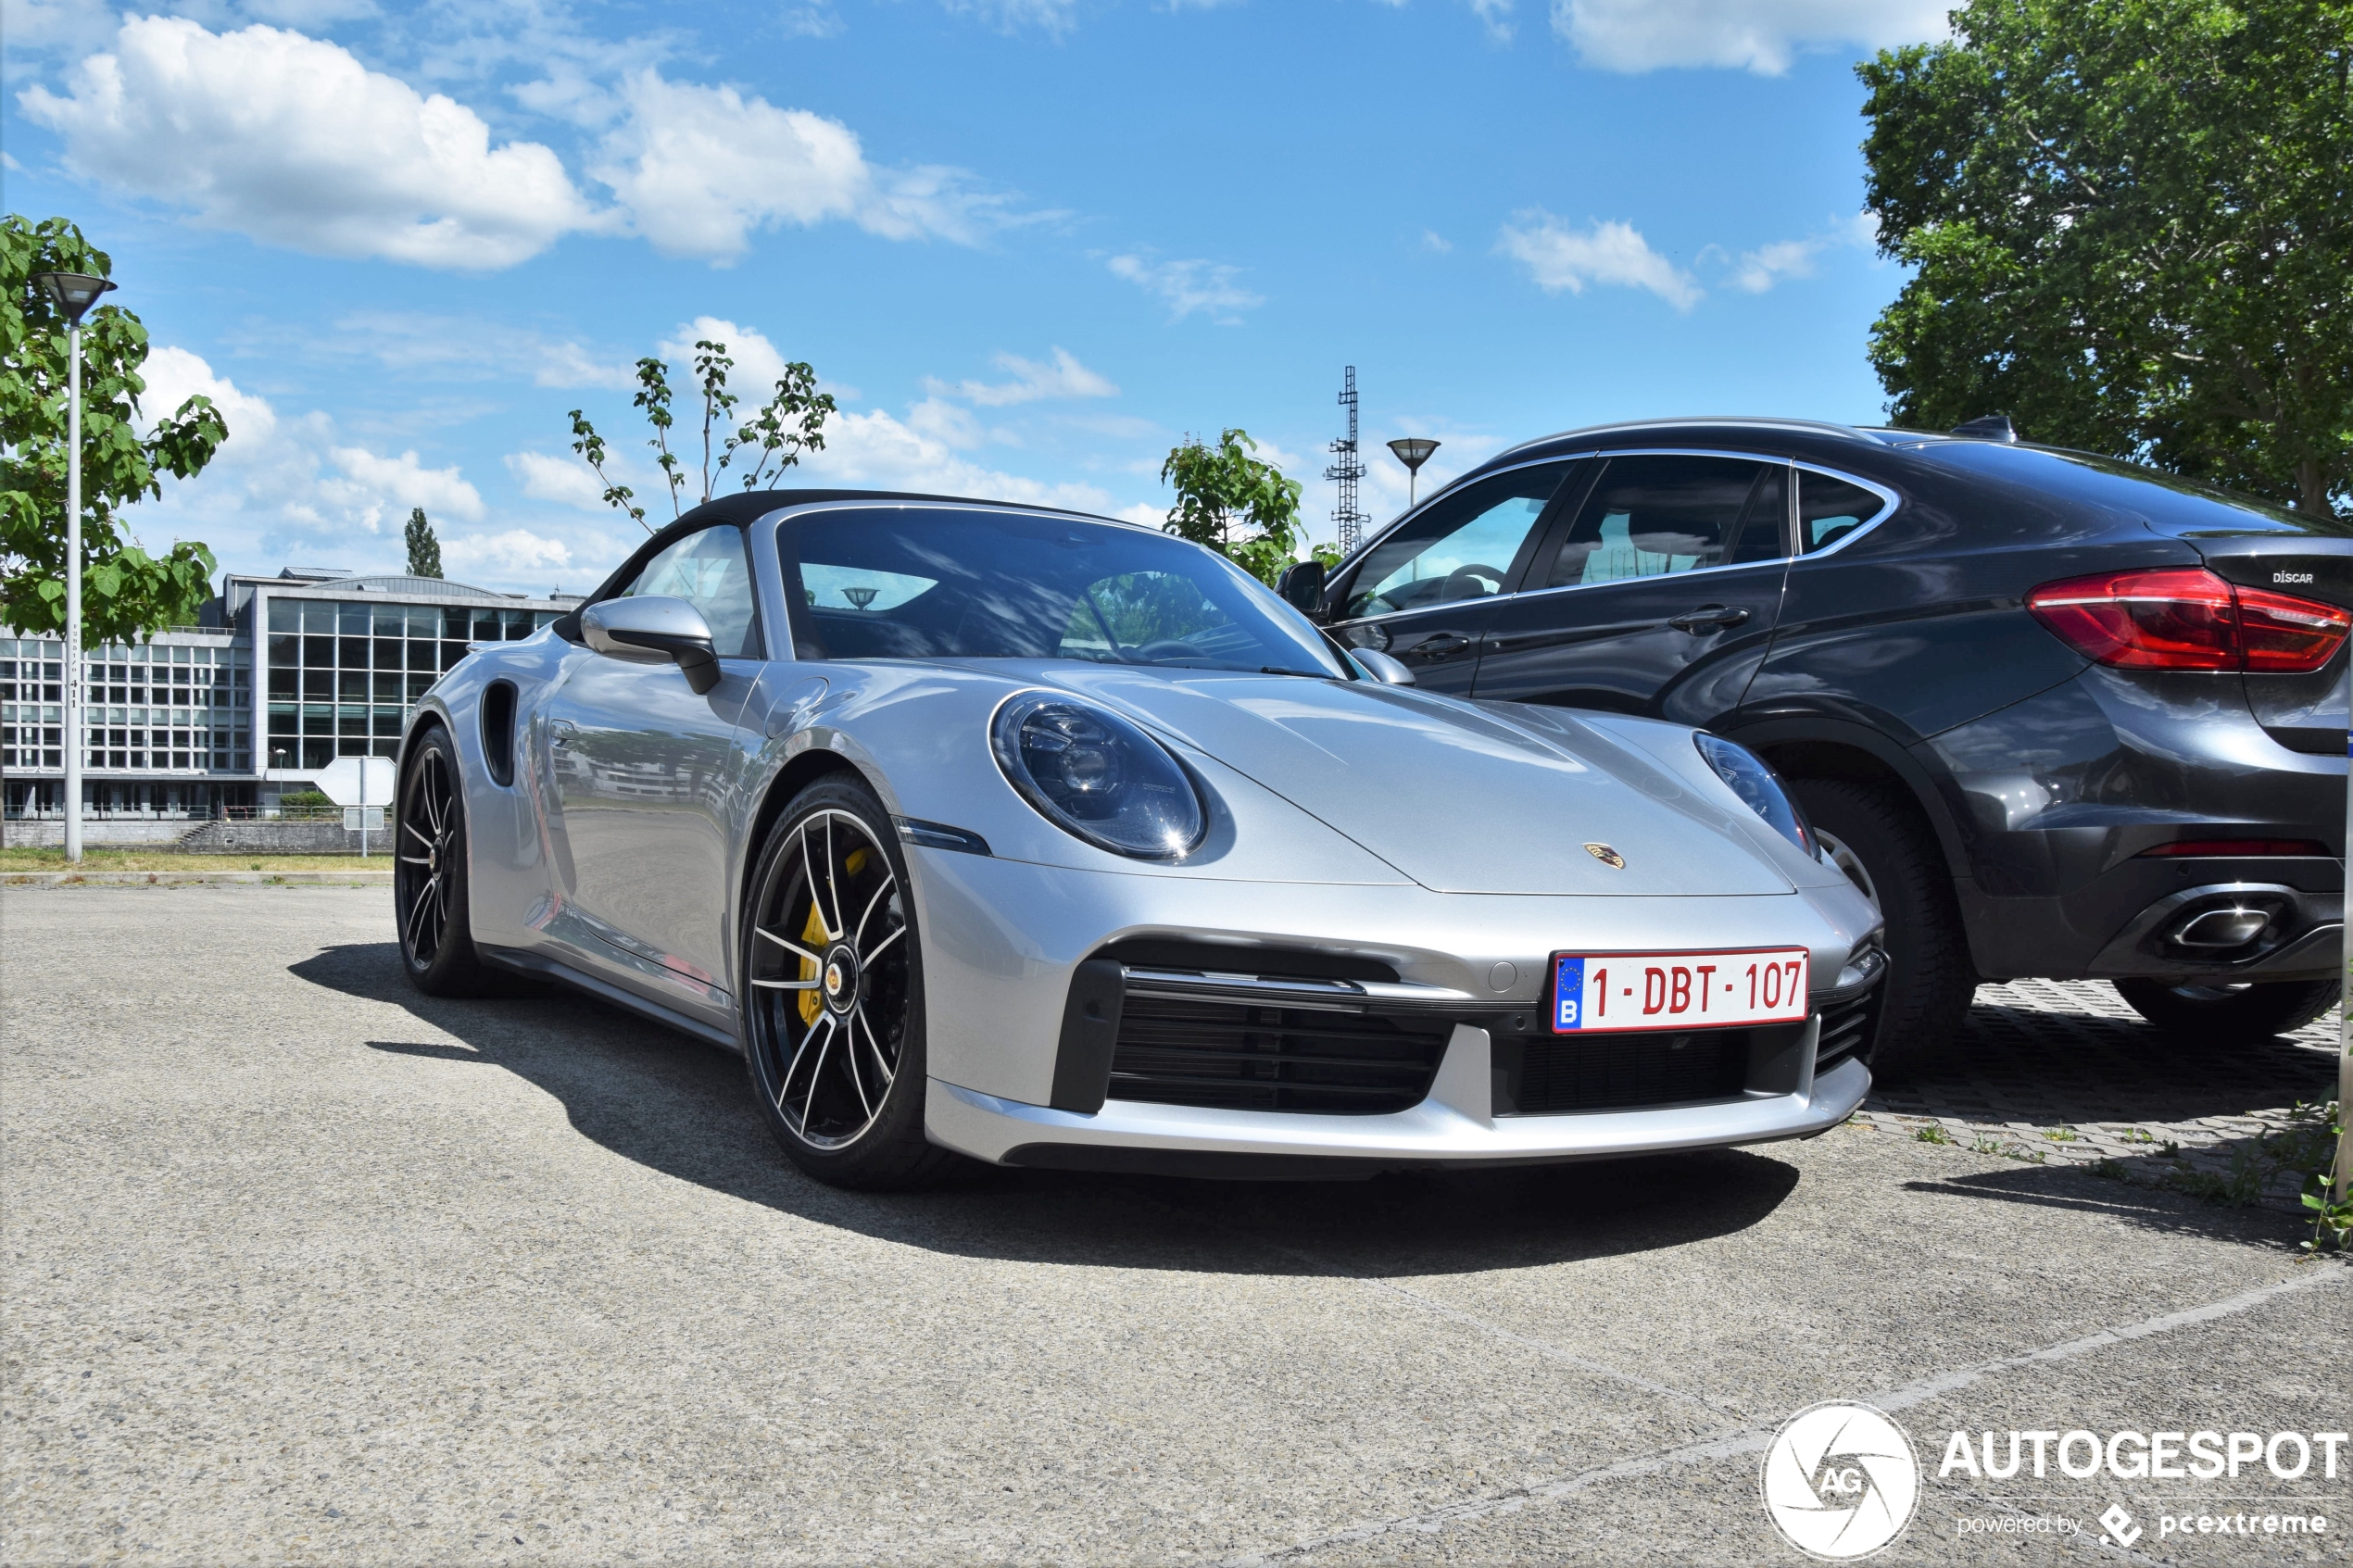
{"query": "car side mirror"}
[(654, 630), (1302, 586), (1386, 668)]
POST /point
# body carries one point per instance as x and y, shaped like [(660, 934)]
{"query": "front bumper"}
[(1455, 1125)]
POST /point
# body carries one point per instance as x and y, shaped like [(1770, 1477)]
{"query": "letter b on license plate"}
[(1594, 991)]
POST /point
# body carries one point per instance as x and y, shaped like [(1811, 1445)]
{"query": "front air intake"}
[(1234, 1056)]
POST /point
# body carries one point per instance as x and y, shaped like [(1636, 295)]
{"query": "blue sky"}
[(1029, 244)]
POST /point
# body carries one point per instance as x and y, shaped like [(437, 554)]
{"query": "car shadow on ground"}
[(2047, 1068), (2149, 1206), (686, 1109)]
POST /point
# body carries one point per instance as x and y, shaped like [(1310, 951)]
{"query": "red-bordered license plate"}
[(1677, 990)]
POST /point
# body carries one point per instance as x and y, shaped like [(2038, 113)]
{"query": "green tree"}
[(126, 592), (772, 440), (2133, 228), (1223, 488), (424, 550)]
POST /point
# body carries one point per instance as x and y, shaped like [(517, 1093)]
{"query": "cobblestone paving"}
[(2065, 1073)]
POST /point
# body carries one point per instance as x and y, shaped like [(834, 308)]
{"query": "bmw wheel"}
[(833, 994), (2221, 1013), (1890, 856), (429, 872)]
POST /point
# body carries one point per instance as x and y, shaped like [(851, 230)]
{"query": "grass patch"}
[(1933, 1134), (97, 860)]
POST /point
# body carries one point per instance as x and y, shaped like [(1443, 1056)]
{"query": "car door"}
[(1427, 592), (643, 769), (1655, 591)]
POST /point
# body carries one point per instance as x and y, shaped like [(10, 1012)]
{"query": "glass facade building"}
[(292, 672)]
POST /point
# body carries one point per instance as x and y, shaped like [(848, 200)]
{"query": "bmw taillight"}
[(2186, 618)]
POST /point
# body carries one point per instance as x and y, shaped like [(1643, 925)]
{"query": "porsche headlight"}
[(1098, 777), (1753, 782)]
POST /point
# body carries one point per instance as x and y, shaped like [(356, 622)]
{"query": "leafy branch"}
[(791, 422)]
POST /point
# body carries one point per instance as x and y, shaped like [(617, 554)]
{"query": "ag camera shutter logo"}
[(1840, 1481)]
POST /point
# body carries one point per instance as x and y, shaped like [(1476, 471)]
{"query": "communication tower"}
[(1349, 468)]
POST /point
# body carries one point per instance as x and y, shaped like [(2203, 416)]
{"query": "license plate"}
[(1677, 990)]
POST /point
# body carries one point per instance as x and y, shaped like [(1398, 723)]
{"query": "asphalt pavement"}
[(303, 1266)]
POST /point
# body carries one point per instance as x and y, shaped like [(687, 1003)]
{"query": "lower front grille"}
[(1233, 1057), (1846, 1030), (1565, 1072)]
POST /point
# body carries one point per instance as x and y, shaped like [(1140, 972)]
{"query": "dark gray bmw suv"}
[(2061, 716)]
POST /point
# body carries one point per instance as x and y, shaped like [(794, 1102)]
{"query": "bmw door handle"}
[(1438, 644), (1708, 618)]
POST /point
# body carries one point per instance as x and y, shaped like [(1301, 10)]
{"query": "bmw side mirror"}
[(654, 630), (1386, 668), (1302, 586)]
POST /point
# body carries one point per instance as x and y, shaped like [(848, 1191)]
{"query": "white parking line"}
[(1751, 1440)]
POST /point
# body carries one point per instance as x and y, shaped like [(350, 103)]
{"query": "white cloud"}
[(374, 487), (465, 349), (513, 553), (286, 485), (1763, 36), (700, 169), (35, 28), (1054, 16), (174, 375), (566, 480), (1436, 242), (1560, 258), (1033, 380), (1496, 17), (881, 452), (292, 141), (1759, 270), (1187, 286)]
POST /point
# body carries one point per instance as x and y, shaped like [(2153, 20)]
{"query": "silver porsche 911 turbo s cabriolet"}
[(1054, 841)]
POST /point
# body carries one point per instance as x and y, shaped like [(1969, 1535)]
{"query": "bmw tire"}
[(1879, 842)]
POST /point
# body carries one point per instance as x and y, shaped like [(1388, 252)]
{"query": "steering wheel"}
[(1463, 582), (1166, 648)]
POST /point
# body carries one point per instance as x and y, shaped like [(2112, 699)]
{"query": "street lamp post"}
[(73, 294), (1413, 451)]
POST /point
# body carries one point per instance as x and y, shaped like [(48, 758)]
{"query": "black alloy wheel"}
[(833, 994), (429, 872), (1890, 855), (2219, 1013)]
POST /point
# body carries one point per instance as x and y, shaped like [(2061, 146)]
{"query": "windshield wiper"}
[(1310, 674)]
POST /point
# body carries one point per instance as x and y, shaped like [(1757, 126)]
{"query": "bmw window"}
[(1829, 508), (1656, 514), (1460, 546)]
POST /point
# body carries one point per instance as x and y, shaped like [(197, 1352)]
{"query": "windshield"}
[(931, 582)]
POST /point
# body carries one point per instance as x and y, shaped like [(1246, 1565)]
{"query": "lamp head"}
[(1413, 451), (73, 293)]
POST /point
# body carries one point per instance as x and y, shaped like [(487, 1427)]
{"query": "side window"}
[(1653, 516), (709, 571), (1462, 547), (1829, 509)]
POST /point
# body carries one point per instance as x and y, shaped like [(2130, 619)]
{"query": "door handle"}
[(1708, 617), (1438, 644), (562, 733)]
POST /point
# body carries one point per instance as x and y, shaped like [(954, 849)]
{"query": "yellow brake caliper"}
[(813, 934)]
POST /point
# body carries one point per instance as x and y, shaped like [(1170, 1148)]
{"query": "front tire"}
[(1872, 835), (429, 872), (832, 986), (2225, 1014)]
